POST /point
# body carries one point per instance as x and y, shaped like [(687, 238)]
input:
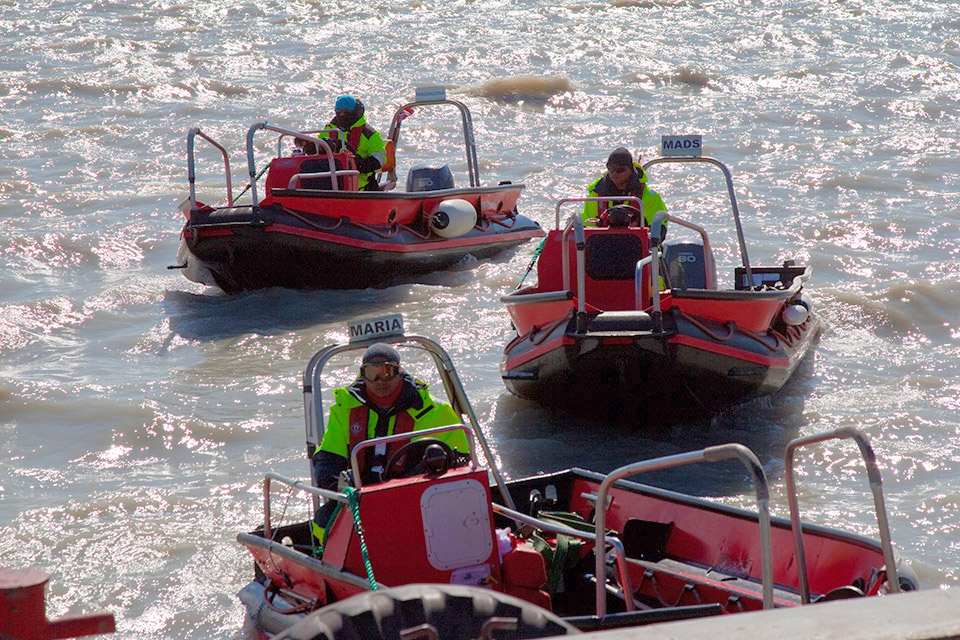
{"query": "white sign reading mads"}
[(376, 328), (430, 94), (681, 146)]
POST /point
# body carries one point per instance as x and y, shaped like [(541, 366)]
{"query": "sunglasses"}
[(378, 372), (622, 169)]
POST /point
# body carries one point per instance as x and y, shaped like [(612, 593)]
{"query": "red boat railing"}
[(710, 454), (876, 486)]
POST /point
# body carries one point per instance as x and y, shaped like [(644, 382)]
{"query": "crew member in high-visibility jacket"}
[(361, 139), (384, 400), (623, 177)]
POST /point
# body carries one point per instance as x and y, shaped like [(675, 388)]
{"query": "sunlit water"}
[(140, 411)]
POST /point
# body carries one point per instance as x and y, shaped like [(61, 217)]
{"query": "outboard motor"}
[(424, 177), (687, 264)]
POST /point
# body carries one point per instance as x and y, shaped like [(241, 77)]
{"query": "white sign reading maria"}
[(681, 146), (376, 328), (430, 94)]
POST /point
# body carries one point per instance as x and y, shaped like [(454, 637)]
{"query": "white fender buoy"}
[(794, 314), (452, 218)]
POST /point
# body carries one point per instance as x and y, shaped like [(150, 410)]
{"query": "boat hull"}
[(692, 553), (690, 364), (245, 248)]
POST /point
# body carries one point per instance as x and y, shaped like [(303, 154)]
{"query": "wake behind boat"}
[(593, 326), (585, 550), (312, 228)]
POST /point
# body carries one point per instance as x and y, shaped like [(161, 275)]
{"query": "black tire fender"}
[(456, 612)]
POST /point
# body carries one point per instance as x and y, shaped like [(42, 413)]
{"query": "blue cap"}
[(346, 103)]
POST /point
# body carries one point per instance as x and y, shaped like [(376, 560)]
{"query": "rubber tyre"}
[(457, 612)]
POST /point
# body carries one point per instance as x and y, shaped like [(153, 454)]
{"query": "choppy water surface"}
[(140, 411)]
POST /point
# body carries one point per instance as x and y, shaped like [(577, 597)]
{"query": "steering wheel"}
[(623, 215), (412, 458)]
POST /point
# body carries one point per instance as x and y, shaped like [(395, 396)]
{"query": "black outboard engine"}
[(687, 264), (423, 177)]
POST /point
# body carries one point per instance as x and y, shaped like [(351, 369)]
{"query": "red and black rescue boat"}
[(593, 325), (661, 555), (314, 229)]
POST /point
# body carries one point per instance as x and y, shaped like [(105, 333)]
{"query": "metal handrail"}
[(297, 177), (518, 297), (638, 285), (320, 142), (659, 220), (730, 193), (312, 133), (576, 222), (662, 216), (192, 170), (313, 402), (400, 437), (613, 541), (468, 136), (575, 219), (710, 454), (876, 486), (631, 199), (296, 484)]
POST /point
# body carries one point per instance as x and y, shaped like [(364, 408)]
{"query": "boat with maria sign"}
[(553, 553), (313, 228), (594, 322)]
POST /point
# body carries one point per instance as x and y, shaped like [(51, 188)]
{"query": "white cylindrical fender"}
[(452, 218), (794, 314)]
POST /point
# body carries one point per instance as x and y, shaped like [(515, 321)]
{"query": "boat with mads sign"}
[(436, 549), (311, 227), (594, 326)]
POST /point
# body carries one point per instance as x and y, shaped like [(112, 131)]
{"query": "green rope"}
[(533, 260), (354, 500), (262, 171)]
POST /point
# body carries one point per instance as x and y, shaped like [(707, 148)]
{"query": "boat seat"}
[(610, 264), (610, 258), (282, 169), (613, 256), (320, 164)]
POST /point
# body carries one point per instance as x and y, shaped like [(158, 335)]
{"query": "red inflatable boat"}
[(594, 327), (312, 228), (542, 542)]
